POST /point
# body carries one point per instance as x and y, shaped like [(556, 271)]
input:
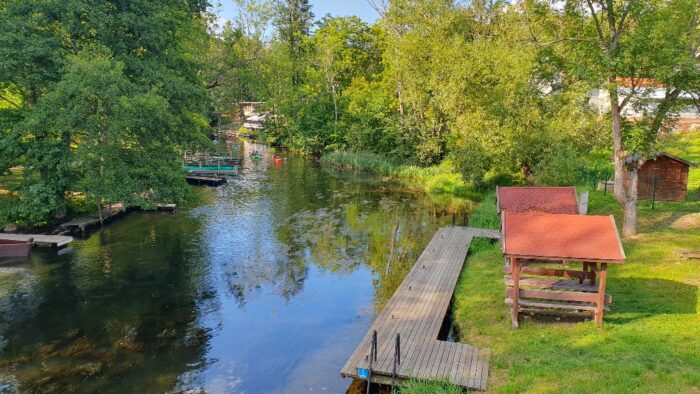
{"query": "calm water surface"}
[(263, 286)]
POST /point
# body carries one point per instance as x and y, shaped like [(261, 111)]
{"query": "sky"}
[(359, 8)]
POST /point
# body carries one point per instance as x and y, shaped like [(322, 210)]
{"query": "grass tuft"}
[(429, 387)]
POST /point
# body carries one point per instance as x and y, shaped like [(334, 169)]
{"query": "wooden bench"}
[(569, 297)]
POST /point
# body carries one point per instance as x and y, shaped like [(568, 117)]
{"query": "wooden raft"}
[(416, 312)]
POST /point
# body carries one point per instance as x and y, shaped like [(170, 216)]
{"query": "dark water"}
[(265, 285)]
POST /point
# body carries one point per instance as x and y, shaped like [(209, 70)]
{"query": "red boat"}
[(15, 248)]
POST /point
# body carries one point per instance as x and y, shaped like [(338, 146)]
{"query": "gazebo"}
[(562, 200), (542, 247)]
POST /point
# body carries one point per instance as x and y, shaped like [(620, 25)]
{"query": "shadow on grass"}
[(645, 297)]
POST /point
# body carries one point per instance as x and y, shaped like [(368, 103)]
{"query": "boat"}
[(9, 248)]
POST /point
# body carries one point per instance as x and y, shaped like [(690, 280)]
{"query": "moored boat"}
[(10, 248)]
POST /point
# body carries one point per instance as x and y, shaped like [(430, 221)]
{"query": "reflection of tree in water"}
[(276, 274), (119, 315), (384, 232)]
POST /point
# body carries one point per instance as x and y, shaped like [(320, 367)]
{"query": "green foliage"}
[(429, 387), (113, 92)]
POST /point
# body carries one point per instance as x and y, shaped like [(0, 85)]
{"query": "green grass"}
[(440, 179), (649, 340), (687, 146), (647, 343), (427, 387)]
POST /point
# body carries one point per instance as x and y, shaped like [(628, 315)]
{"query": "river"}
[(265, 285)]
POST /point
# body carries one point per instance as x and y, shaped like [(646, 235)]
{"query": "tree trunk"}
[(399, 89), (99, 212), (335, 106), (625, 173)]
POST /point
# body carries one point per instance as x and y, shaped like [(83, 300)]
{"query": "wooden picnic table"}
[(540, 249)]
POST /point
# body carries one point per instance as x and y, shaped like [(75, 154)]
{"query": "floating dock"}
[(206, 180), (416, 312), (54, 241)]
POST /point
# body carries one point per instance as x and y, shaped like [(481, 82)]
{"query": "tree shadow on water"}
[(646, 297)]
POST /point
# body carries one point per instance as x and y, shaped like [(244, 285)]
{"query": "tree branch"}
[(633, 91), (603, 42), (662, 110), (10, 101), (568, 39)]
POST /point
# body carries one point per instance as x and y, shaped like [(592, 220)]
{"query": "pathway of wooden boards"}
[(417, 311)]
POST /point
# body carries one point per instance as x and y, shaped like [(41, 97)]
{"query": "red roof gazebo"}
[(533, 241), (560, 200)]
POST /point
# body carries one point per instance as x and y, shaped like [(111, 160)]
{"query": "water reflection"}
[(266, 285)]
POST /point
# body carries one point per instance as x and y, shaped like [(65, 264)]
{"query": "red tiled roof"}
[(561, 237), (538, 199)]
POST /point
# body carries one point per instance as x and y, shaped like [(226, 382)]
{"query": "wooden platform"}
[(417, 312), (83, 224), (206, 180), (56, 241)]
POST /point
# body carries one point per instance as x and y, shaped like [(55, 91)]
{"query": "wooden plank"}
[(555, 284), (554, 295), (555, 305), (562, 273)]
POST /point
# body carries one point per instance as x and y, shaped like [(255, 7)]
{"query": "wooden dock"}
[(56, 241), (417, 312), (83, 224), (206, 180)]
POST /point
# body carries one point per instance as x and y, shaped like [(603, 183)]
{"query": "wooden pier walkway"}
[(417, 312), (56, 241)]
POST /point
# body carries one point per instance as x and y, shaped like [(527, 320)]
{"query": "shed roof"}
[(537, 199), (675, 158), (561, 237)]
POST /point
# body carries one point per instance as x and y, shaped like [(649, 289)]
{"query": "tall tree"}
[(154, 49), (294, 19), (630, 49)]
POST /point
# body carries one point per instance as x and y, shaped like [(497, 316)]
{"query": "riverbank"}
[(647, 342), (440, 179)]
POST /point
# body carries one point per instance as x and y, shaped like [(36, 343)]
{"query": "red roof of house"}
[(561, 237), (538, 199)]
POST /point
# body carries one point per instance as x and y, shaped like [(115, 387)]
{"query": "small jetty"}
[(404, 340), (206, 180), (54, 241), (83, 225)]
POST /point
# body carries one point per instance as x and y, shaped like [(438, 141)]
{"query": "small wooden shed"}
[(668, 175)]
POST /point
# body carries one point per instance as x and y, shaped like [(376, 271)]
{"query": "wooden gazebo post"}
[(515, 273), (600, 306)]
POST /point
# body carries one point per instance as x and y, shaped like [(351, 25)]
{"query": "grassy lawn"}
[(649, 342)]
